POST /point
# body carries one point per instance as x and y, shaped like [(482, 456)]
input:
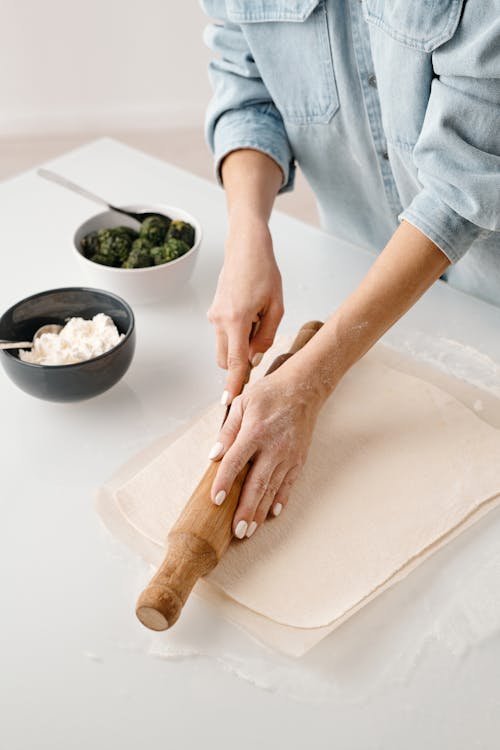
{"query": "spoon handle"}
[(47, 174), (16, 344)]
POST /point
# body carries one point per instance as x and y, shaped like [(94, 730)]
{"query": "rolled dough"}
[(397, 467)]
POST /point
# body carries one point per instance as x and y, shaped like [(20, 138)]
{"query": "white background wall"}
[(73, 65)]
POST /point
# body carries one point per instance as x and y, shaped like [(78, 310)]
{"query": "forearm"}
[(409, 264), (251, 182)]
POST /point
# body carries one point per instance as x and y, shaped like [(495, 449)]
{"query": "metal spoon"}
[(48, 328), (59, 180)]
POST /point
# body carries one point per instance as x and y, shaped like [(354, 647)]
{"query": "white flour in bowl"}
[(78, 341)]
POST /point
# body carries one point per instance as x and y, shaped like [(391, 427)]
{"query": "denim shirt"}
[(390, 107)]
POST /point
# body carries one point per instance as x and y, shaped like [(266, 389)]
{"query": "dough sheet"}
[(397, 468)]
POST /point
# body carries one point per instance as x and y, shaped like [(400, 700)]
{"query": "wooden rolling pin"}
[(200, 536)]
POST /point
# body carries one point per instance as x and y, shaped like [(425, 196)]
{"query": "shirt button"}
[(385, 155), (372, 80)]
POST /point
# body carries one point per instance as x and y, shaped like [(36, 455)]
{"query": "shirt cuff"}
[(448, 230), (250, 128)]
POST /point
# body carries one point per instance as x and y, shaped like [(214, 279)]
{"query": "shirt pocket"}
[(290, 43), (420, 24)]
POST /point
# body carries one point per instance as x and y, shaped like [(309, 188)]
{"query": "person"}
[(392, 110)]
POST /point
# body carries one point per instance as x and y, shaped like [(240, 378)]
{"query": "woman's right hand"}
[(249, 290)]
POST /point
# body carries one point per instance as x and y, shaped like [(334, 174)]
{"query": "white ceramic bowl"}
[(139, 285)]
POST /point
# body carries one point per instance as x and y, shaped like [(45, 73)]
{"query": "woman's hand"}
[(272, 424), (249, 289)]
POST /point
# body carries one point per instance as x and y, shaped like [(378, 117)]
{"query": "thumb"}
[(237, 362), (264, 337)]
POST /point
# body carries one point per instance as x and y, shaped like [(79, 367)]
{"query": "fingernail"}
[(220, 497), (241, 529), (224, 398), (215, 451), (277, 509), (251, 529), (257, 359)]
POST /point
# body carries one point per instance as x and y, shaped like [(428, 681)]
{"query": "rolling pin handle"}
[(188, 558), (304, 335)]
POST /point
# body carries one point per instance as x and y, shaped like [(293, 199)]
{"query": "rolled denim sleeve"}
[(457, 154), (241, 113)]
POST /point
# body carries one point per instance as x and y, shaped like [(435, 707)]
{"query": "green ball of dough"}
[(154, 229), (170, 250), (181, 230), (140, 255), (89, 244)]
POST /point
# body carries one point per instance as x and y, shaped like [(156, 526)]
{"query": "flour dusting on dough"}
[(452, 357)]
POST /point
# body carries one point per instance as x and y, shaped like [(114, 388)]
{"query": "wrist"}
[(249, 236), (302, 381), (246, 218), (316, 371)]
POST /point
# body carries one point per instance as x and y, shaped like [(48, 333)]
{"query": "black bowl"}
[(67, 382)]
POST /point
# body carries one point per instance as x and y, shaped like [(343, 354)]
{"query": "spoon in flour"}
[(48, 328)]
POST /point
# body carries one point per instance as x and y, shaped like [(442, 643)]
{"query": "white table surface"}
[(74, 665)]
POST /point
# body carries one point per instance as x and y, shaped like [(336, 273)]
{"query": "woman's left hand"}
[(271, 423)]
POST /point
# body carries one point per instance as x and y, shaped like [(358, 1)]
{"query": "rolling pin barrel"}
[(200, 536)]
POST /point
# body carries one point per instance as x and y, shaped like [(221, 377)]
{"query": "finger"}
[(220, 338), (237, 361), (228, 432), (254, 489), (238, 455), (221, 348), (264, 337), (281, 498), (273, 486)]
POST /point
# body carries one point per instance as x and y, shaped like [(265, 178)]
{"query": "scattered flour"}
[(447, 606), (452, 357)]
